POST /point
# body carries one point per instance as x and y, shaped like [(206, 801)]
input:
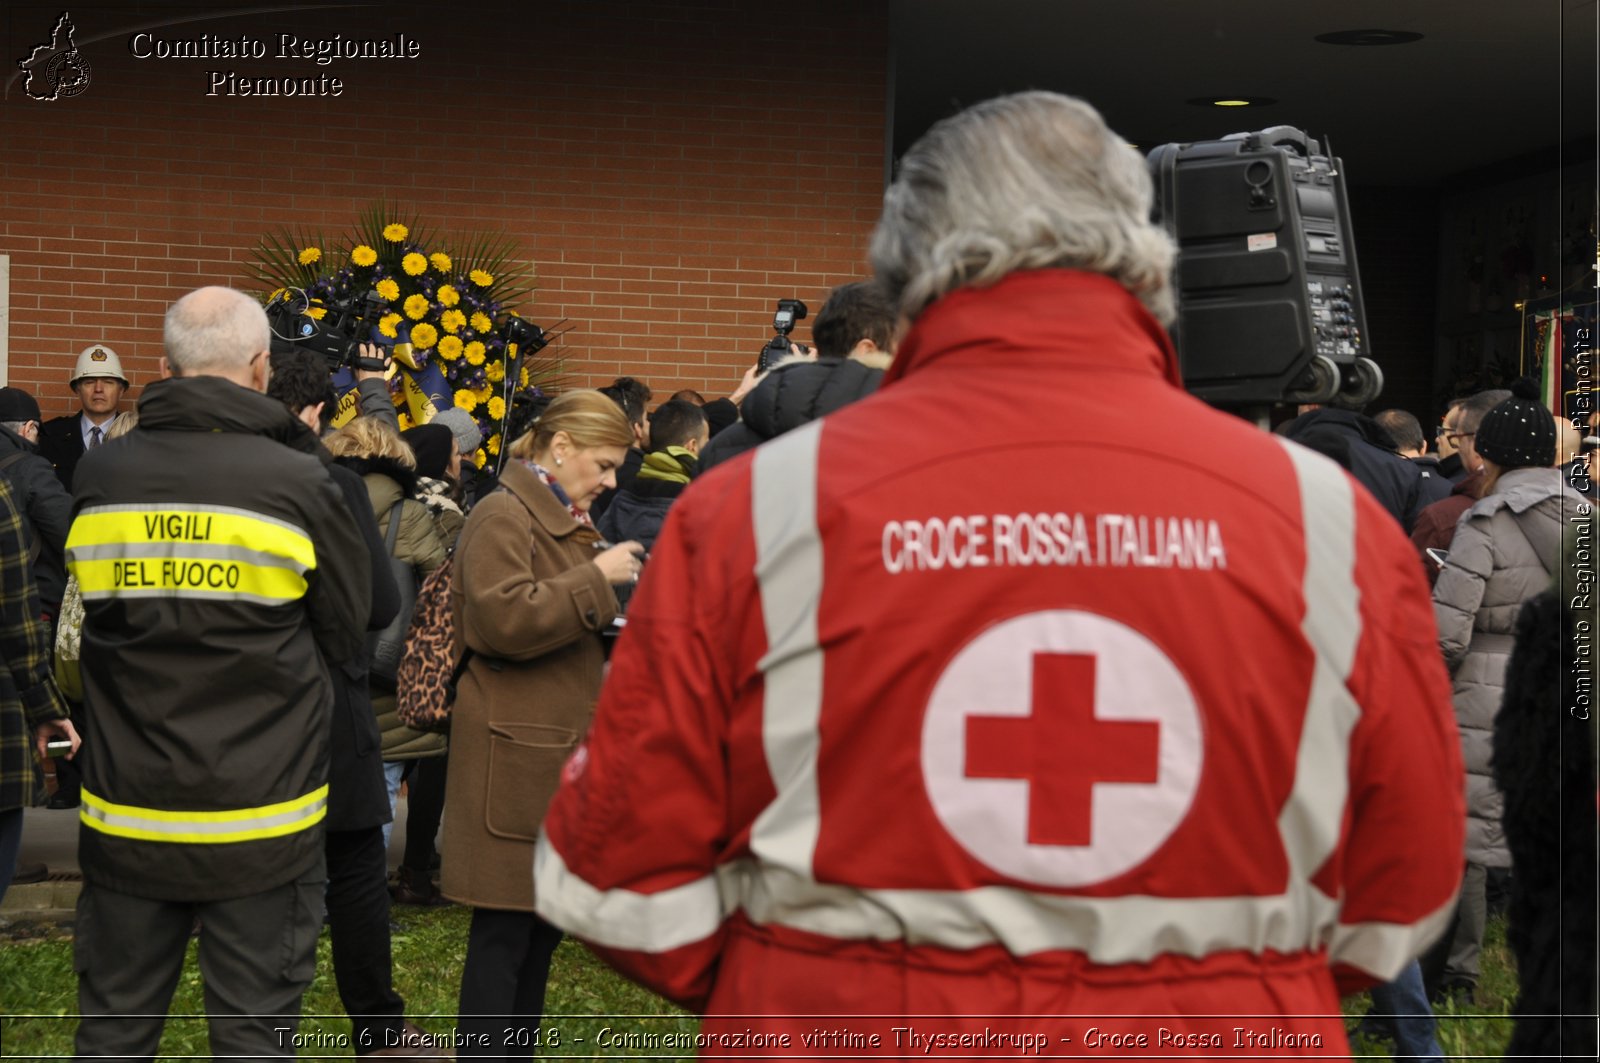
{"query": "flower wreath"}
[(446, 318)]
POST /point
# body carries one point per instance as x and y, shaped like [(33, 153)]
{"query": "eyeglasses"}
[(1455, 438)]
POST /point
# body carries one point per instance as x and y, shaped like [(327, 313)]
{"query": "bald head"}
[(216, 332)]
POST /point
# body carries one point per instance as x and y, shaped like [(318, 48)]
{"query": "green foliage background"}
[(38, 991)]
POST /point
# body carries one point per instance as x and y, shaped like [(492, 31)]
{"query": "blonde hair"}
[(589, 418), (122, 424), (368, 437)]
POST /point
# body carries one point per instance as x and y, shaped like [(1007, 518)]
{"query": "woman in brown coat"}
[(532, 596)]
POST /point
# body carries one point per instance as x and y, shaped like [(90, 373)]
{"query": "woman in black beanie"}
[(437, 488), (1505, 550), (438, 477)]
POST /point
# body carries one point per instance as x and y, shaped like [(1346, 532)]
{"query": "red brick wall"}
[(670, 168)]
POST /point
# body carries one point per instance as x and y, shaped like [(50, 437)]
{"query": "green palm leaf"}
[(277, 259)]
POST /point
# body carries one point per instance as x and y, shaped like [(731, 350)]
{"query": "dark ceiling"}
[(1490, 80)]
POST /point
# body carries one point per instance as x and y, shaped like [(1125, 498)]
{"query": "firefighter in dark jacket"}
[(214, 559)]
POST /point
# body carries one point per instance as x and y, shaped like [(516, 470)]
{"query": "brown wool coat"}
[(531, 605)]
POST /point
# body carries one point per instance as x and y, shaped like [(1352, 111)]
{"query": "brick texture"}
[(669, 168)]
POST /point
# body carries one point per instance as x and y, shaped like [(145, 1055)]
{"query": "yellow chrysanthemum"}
[(497, 407), (414, 264), (466, 400), (394, 232), (480, 321), (475, 353), (317, 313), (387, 323), (362, 255), (310, 255), (483, 393), (450, 348), (416, 307), (424, 336), (480, 278), (452, 320), (479, 458), (493, 446), (495, 371), (387, 289), (441, 261), (523, 378), (448, 296)]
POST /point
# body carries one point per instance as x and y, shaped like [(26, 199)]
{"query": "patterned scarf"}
[(673, 465), (579, 515), (435, 494)]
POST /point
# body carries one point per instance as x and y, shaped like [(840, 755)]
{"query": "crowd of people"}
[(1207, 750)]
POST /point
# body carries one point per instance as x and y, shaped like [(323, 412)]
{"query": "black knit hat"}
[(18, 405), (1519, 433), (431, 444)]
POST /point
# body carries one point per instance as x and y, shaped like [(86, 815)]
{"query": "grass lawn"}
[(38, 989)]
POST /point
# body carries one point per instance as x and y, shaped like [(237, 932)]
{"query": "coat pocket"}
[(525, 761)]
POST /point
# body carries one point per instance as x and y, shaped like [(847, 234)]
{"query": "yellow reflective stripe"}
[(204, 828), (178, 524), (200, 577)]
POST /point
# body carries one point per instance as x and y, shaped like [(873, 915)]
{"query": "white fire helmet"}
[(97, 360)]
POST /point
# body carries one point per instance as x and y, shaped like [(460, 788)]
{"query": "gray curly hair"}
[(1028, 181)]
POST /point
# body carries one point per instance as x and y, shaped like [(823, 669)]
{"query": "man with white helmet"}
[(100, 384)]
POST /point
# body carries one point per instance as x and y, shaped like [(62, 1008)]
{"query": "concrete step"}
[(55, 898)]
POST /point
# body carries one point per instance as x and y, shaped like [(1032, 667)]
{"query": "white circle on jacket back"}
[(1061, 748)]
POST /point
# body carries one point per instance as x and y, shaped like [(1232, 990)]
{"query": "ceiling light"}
[(1232, 101), (1369, 38)]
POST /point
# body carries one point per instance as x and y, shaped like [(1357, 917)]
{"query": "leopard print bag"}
[(425, 683)]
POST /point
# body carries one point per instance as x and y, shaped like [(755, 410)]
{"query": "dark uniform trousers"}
[(503, 983), (358, 930), (257, 956)]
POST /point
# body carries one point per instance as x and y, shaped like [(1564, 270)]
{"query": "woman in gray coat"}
[(1505, 550)]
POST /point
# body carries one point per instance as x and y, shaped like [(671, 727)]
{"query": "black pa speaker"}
[(1269, 296)]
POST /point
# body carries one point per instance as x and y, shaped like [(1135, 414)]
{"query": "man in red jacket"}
[(937, 726)]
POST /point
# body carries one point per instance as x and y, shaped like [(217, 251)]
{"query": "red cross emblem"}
[(1062, 749)]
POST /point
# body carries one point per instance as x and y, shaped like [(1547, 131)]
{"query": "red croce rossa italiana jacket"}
[(1028, 686)]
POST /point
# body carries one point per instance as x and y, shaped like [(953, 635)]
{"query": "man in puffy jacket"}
[(854, 337), (215, 558), (934, 708)]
